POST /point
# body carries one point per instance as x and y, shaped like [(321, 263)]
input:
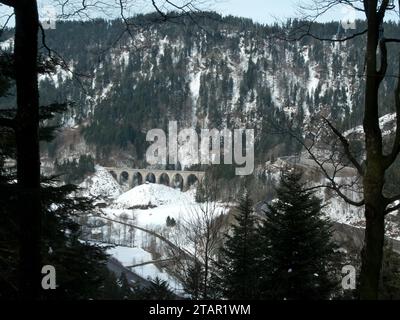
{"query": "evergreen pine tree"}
[(193, 280), (158, 290), (110, 289), (239, 256), (298, 252), (125, 288)]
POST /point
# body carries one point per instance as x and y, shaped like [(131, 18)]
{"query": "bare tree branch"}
[(383, 8), (311, 35), (346, 146), (321, 165), (384, 63), (57, 59), (310, 15), (182, 251)]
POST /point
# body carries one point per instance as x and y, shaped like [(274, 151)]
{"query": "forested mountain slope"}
[(216, 73)]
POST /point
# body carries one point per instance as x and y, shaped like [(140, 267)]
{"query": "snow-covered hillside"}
[(149, 205), (101, 184), (152, 195)]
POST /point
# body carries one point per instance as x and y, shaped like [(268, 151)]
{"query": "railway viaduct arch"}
[(172, 178)]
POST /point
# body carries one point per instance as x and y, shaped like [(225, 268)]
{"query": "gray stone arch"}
[(164, 179), (191, 179), (137, 179), (151, 177), (124, 177), (177, 181)]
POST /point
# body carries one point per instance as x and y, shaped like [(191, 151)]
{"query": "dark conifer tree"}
[(110, 289), (193, 280), (239, 257), (298, 251), (158, 290), (125, 288)]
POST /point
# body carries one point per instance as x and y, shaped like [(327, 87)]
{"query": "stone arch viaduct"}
[(172, 178)]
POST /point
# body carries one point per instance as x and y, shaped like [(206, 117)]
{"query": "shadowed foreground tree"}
[(202, 230), (158, 290), (60, 244), (26, 128)]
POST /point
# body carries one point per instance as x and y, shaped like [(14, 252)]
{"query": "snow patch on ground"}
[(129, 256), (313, 81), (58, 77)]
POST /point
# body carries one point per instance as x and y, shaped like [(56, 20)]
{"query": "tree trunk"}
[(372, 253), (375, 172), (27, 140)]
